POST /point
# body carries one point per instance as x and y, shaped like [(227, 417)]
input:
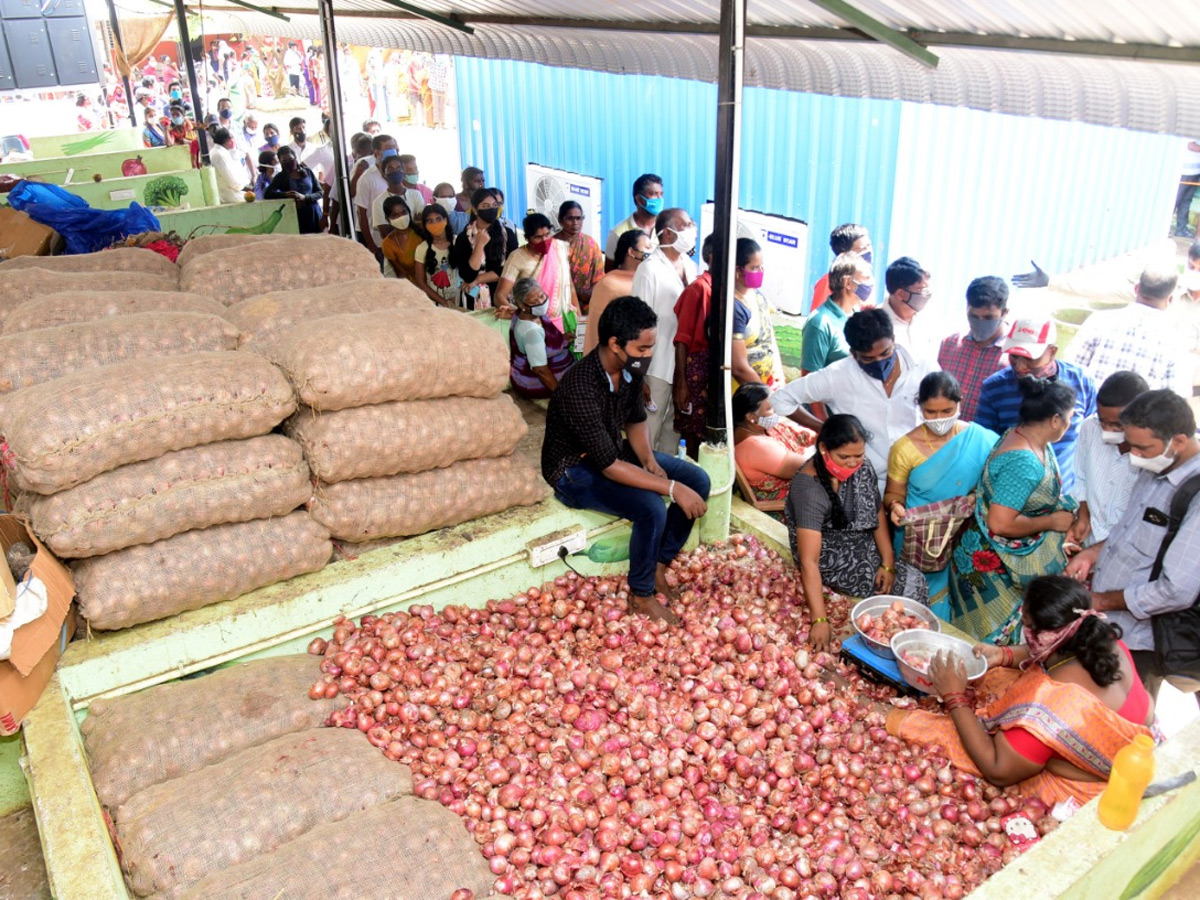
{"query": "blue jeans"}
[(659, 530)]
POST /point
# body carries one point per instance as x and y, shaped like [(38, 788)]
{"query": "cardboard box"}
[(21, 236), (38, 644)]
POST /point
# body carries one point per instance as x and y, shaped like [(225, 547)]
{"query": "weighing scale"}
[(874, 667)]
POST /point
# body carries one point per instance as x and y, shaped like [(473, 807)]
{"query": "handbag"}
[(1177, 633), (930, 530)]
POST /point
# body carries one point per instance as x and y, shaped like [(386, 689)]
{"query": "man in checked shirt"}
[(590, 467), (1161, 433)]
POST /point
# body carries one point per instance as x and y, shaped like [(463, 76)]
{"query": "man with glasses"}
[(909, 293)]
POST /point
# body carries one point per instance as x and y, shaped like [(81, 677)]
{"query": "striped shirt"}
[(970, 363), (1000, 407), (1128, 556), (1103, 478)]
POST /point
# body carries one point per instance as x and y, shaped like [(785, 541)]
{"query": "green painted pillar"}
[(208, 181), (717, 461)]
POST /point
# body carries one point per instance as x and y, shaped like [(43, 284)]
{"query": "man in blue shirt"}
[(1032, 351)]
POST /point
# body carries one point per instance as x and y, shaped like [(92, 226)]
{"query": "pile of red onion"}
[(594, 754)]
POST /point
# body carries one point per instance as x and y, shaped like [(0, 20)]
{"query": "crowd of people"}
[(1038, 504)]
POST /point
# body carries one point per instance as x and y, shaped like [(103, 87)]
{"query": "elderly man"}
[(850, 283), (659, 281)]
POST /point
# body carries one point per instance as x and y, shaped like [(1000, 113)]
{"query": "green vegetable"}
[(614, 549), (86, 144), (266, 226), (166, 190), (1158, 863)]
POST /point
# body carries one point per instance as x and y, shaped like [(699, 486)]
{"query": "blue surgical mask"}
[(652, 205), (880, 368), (175, 95), (866, 257), (176, 120), (388, 153), (273, 141), (864, 292)]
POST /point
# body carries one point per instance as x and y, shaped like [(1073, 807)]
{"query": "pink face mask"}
[(753, 279)]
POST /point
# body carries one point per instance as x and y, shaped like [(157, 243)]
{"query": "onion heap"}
[(594, 754)]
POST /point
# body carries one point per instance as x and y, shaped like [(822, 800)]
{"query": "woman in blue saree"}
[(940, 459)]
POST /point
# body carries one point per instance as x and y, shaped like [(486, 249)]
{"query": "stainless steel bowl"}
[(876, 605), (934, 643)]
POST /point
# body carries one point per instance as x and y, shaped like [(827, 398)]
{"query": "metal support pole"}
[(194, 86), (333, 78), (116, 30), (731, 61)]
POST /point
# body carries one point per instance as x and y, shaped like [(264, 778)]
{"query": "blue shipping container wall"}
[(965, 192)]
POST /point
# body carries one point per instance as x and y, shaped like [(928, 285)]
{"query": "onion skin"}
[(593, 754)]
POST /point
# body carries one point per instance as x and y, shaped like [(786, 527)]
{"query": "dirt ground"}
[(22, 872)]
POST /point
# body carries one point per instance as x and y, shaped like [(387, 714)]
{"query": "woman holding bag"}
[(934, 464)]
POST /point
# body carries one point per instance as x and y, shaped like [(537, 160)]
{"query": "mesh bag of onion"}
[(33, 357), (63, 432), (266, 316), (229, 481), (234, 273), (168, 730), (196, 568), (402, 354), (18, 287), (118, 259), (415, 436), (368, 508), (203, 244), (417, 848), (178, 832), (86, 306)]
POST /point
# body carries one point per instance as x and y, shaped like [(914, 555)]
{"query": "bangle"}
[(1007, 658), (955, 700), (888, 569), (671, 492), (820, 620)]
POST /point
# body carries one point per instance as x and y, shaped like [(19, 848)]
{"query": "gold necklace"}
[(1061, 662)]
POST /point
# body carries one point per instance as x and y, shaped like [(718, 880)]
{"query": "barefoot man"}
[(590, 467)]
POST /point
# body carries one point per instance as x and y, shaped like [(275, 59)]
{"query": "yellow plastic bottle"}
[(1132, 769)]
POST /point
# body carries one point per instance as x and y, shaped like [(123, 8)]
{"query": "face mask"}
[(753, 279), (176, 120), (175, 95), (413, 178), (652, 205), (916, 302), (941, 426), (436, 229), (541, 248), (540, 310), (636, 365), (1112, 437), (685, 241), (388, 154), (1191, 281), (768, 422), (880, 368), (292, 164), (446, 203), (1156, 464), (841, 473), (273, 141), (227, 114), (983, 330), (395, 179), (488, 216), (300, 138), (866, 257), (1044, 371), (864, 292), (400, 222)]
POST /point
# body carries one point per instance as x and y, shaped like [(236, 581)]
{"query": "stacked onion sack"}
[(138, 442), (402, 417)]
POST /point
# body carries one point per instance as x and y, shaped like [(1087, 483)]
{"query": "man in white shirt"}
[(370, 186), (877, 382), (230, 172), (909, 293), (648, 204), (320, 159), (1140, 338), (293, 64), (1103, 475), (659, 282)]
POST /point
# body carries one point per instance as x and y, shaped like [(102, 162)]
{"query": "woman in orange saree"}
[(1060, 706)]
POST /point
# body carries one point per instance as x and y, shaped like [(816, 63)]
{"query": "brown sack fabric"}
[(86, 306), (118, 259)]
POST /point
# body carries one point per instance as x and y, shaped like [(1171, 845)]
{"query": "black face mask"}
[(637, 365), (488, 216)]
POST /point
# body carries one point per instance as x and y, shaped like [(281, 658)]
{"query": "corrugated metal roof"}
[(1144, 96)]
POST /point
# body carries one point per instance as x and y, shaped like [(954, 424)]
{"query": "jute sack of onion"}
[(169, 730), (119, 259), (235, 273), (51, 310), (144, 502), (26, 284), (368, 508), (177, 832), (197, 568), (264, 317), (413, 436), (401, 354), (64, 432), (32, 357)]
